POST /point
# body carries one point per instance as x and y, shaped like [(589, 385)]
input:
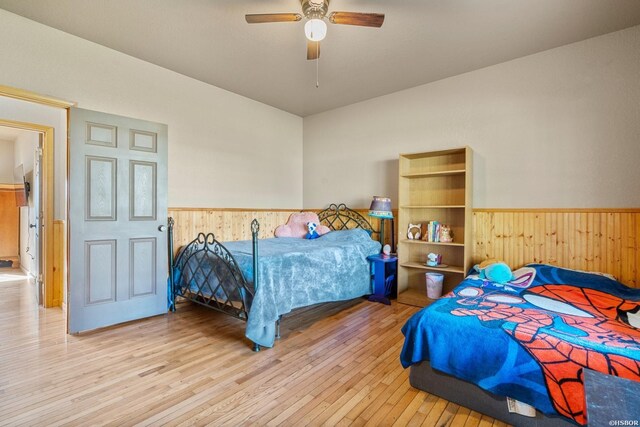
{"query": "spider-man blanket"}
[(530, 342)]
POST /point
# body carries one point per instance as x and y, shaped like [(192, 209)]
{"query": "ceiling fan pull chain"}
[(317, 66)]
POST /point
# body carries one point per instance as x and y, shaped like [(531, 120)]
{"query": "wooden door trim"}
[(51, 298), (26, 95)]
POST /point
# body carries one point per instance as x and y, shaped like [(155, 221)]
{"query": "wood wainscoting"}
[(604, 240), (235, 224), (225, 224)]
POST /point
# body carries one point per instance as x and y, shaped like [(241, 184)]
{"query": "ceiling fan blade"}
[(260, 18), (354, 18), (313, 50)]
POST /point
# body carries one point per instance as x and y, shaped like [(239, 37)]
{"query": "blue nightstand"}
[(383, 278)]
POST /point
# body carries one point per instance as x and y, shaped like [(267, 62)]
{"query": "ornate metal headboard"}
[(340, 217)]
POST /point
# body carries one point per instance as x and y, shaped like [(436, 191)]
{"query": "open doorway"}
[(21, 207), (25, 110), (50, 293)]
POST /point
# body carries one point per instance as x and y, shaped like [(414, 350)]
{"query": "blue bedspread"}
[(299, 272), (531, 342)]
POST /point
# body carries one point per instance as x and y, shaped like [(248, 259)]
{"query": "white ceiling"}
[(421, 41)]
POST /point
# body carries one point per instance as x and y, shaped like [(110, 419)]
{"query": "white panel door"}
[(117, 219)]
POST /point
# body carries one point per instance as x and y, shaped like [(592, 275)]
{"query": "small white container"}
[(434, 284)]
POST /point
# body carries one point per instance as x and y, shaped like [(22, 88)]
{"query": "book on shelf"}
[(433, 232), (436, 232)]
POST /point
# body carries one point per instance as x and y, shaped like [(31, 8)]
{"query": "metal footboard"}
[(206, 273)]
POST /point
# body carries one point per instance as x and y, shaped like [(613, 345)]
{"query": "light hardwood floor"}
[(336, 364)]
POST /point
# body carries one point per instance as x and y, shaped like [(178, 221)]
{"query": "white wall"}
[(24, 150), (6, 162), (560, 128), (24, 154), (225, 150)]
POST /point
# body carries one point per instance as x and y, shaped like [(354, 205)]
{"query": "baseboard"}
[(27, 272)]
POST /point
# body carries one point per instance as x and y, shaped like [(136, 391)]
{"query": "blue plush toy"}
[(312, 233), (494, 271)]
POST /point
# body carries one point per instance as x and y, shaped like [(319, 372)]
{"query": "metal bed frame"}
[(210, 275)]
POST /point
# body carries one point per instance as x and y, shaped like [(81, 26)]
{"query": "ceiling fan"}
[(315, 12)]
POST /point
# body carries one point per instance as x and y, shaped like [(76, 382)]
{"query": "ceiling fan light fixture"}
[(315, 29)]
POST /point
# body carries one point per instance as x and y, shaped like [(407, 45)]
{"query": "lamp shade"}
[(381, 207)]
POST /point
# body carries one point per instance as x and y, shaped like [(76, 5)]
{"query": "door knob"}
[(162, 228)]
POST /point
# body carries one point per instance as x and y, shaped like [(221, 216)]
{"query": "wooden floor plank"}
[(336, 364), (461, 416), (409, 410), (486, 421), (446, 418), (423, 410), (435, 413)]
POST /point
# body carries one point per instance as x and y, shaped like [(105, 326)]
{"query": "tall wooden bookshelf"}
[(434, 186)]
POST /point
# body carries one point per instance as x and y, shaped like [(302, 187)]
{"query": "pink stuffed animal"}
[(296, 226)]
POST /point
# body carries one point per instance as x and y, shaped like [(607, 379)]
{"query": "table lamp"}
[(381, 208)]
